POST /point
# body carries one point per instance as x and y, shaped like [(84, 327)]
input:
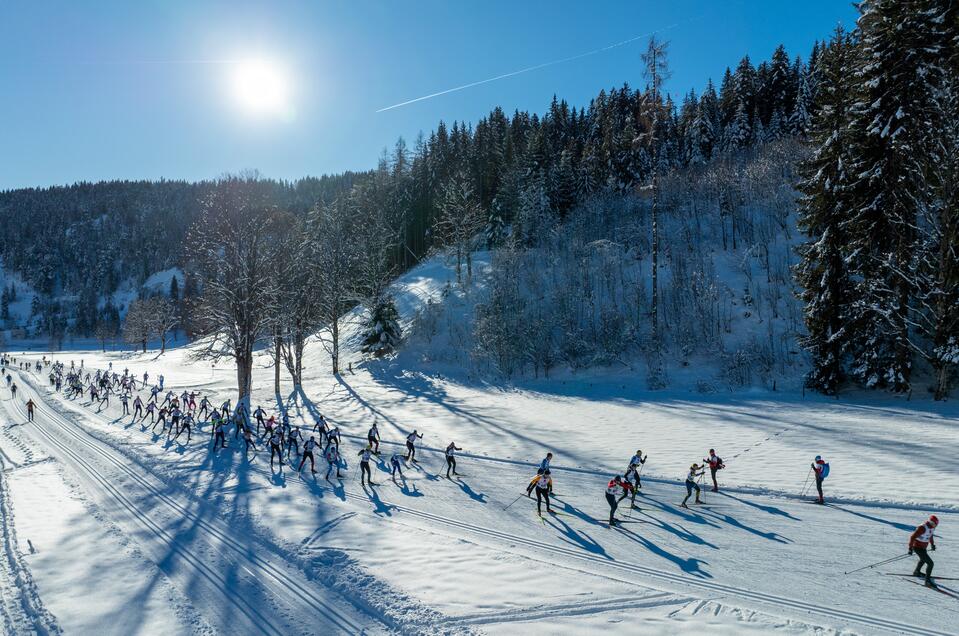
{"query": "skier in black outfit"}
[(364, 456), (373, 437), (922, 538), (30, 410), (395, 465), (451, 458), (615, 488), (275, 450), (543, 483), (308, 447), (410, 447), (332, 454)]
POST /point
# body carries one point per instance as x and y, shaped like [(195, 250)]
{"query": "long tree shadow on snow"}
[(689, 566)]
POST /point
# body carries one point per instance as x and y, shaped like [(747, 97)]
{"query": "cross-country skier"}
[(451, 458), (919, 540), (275, 440), (248, 440), (333, 437), (308, 447), (544, 465), (204, 408), (395, 466), (332, 455), (638, 460), (715, 464), (160, 378), (410, 446), (125, 401), (293, 439), (146, 376), (319, 426), (218, 436), (694, 471), (821, 469), (532, 483), (258, 414), (29, 410), (616, 490), (13, 389), (543, 484), (364, 456), (632, 478), (186, 424), (137, 408), (151, 411), (373, 437)]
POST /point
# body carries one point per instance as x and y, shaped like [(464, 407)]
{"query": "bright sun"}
[(261, 88)]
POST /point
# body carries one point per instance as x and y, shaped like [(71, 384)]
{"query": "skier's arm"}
[(913, 537)]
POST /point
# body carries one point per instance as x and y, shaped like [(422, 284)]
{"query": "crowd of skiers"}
[(176, 415)]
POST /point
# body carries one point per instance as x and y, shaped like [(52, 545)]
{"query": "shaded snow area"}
[(110, 527)]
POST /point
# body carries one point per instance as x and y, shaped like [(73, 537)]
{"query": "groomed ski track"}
[(636, 573), (284, 602)]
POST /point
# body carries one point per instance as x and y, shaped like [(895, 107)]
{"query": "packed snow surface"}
[(112, 528)]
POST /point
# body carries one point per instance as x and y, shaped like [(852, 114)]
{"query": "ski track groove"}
[(318, 605), (21, 608), (668, 577)]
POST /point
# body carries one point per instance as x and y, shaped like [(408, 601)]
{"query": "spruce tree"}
[(899, 71), (826, 188)]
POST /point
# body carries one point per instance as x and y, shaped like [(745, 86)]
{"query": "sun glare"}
[(261, 88)]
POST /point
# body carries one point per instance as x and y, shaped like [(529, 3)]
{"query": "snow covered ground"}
[(110, 528)]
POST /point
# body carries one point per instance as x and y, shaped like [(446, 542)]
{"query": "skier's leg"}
[(302, 461), (819, 489), (449, 466), (713, 475), (546, 497), (539, 500), (611, 500)]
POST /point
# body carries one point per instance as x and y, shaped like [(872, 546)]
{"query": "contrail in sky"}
[(535, 68)]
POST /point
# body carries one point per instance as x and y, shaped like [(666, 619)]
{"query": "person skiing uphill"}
[(364, 456), (543, 483), (276, 440), (631, 477), (921, 539), (395, 466), (451, 458), (695, 470), (637, 460), (616, 490), (715, 465), (411, 447), (544, 465), (308, 447), (373, 437), (821, 469), (30, 410), (332, 455)]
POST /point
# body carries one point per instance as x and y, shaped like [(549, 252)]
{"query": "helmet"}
[(694, 466), (818, 458), (539, 471), (934, 520), (639, 452), (712, 450), (617, 478), (546, 472)]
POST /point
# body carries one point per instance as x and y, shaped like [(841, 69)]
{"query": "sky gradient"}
[(129, 90)]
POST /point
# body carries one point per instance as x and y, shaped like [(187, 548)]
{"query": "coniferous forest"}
[(827, 178)]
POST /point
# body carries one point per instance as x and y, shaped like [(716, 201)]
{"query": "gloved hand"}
[(910, 551), (933, 548)]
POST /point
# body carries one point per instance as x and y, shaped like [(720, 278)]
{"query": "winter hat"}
[(934, 520)]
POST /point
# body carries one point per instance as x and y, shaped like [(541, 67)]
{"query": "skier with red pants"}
[(920, 540)]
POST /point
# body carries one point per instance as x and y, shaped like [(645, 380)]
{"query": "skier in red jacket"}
[(716, 464), (923, 538)]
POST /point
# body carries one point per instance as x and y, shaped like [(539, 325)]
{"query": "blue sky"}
[(128, 90)]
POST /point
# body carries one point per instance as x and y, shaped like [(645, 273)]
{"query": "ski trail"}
[(21, 608), (299, 600)]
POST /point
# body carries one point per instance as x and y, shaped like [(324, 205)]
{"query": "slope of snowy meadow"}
[(470, 555)]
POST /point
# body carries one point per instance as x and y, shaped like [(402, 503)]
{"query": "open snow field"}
[(109, 528)]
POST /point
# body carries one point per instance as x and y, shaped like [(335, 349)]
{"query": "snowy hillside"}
[(179, 525)]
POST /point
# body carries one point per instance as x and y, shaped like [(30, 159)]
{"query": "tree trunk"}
[(655, 214), (244, 376), (335, 356), (276, 364), (144, 346)]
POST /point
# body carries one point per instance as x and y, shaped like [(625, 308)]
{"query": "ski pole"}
[(514, 501), (803, 493), (866, 567)]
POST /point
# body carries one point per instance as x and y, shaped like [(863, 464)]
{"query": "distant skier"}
[(364, 456), (631, 477), (308, 447), (332, 455), (695, 470), (248, 440), (543, 484), (637, 460), (532, 483), (275, 448), (293, 439), (29, 410), (137, 408), (373, 437), (13, 390), (218, 436), (395, 466), (411, 447), (821, 470), (616, 491), (919, 540), (258, 414), (544, 465), (125, 401), (333, 437), (715, 465), (451, 458), (186, 424)]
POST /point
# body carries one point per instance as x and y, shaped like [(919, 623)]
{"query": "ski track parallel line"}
[(317, 603), (762, 597)]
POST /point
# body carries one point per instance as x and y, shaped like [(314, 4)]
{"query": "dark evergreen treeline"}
[(880, 274)]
